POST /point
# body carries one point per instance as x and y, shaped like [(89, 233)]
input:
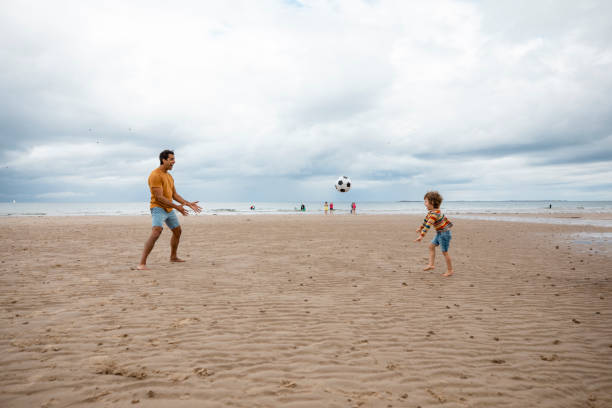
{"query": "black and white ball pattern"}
[(343, 184)]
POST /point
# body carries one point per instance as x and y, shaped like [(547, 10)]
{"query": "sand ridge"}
[(301, 311)]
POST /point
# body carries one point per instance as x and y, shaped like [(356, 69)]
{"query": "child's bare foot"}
[(142, 268), (448, 273), (428, 268), (177, 260)]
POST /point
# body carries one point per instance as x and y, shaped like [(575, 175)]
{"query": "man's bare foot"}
[(448, 273), (142, 268), (428, 268), (177, 260)]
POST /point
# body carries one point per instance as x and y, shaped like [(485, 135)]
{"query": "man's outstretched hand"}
[(194, 206), (182, 210)]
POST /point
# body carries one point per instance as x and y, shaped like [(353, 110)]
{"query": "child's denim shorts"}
[(160, 215), (442, 238)]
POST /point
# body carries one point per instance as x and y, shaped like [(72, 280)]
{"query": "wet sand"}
[(302, 311)]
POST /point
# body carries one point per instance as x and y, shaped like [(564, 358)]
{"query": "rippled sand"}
[(302, 311)]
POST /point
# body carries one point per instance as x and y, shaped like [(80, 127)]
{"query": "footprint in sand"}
[(107, 366), (392, 366), (203, 372), (288, 384)]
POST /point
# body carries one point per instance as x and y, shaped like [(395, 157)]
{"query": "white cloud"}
[(388, 90)]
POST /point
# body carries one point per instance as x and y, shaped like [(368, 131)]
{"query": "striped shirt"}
[(437, 219)]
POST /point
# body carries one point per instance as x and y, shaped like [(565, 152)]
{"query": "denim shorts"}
[(160, 216), (443, 239)]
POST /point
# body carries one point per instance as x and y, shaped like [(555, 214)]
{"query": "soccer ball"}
[(343, 184)]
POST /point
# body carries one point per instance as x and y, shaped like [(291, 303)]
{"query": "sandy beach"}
[(302, 311)]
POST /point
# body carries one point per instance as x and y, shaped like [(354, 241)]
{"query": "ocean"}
[(484, 208)]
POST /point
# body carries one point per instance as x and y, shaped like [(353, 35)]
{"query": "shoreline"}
[(601, 220), (576, 219), (283, 208)]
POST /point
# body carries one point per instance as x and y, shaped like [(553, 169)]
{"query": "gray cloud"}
[(497, 100)]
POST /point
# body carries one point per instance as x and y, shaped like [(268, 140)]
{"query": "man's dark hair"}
[(164, 155)]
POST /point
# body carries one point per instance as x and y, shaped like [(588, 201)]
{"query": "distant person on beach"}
[(163, 195), (326, 207), (303, 207), (331, 208), (353, 208), (435, 218)]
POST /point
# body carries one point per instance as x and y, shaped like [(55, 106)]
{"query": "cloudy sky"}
[(272, 100)]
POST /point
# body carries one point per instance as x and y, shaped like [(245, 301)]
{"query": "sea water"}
[(485, 209)]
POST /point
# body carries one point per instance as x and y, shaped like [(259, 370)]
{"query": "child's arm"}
[(427, 224), (423, 224)]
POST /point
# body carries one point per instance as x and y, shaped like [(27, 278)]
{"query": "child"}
[(434, 217)]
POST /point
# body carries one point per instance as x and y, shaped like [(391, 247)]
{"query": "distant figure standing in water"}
[(331, 208), (163, 195), (353, 208), (326, 207)]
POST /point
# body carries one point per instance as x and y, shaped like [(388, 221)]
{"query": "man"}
[(163, 194)]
